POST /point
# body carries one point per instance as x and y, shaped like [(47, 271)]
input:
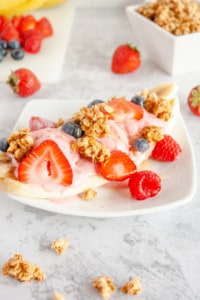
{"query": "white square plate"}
[(178, 184), (47, 64)]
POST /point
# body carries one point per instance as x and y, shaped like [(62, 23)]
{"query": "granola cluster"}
[(89, 147), (93, 120), (22, 270), (89, 194), (161, 108), (105, 286), (20, 143), (60, 245), (179, 17), (133, 287), (58, 296), (152, 133)]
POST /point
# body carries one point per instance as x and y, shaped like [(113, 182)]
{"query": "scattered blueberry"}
[(72, 128), (14, 44), (4, 51), (139, 100), (3, 144), (95, 102), (1, 56), (17, 54), (140, 144)]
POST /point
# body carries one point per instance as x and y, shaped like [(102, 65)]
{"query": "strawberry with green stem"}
[(194, 100)]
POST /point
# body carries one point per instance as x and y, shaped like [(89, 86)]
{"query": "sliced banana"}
[(165, 90)]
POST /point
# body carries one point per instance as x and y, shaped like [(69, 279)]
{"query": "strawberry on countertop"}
[(46, 164), (125, 59), (194, 100), (24, 82)]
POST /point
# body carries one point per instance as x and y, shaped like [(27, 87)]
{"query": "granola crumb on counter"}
[(89, 194), (20, 143), (60, 245), (177, 17), (18, 268), (133, 287), (152, 133), (93, 121), (58, 296), (89, 147), (105, 286)]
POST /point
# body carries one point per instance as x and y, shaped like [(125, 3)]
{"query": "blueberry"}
[(14, 44), (95, 102), (17, 54), (4, 51), (73, 128), (3, 144), (140, 144), (3, 44), (139, 100)]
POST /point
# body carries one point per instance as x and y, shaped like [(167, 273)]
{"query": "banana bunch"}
[(10, 8)]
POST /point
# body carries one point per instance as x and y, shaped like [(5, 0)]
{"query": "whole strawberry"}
[(194, 100), (166, 150), (125, 59), (24, 82), (144, 184)]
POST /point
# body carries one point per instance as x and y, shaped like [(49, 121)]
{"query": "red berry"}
[(125, 59), (45, 27), (46, 164), (24, 82), (124, 110), (194, 100), (166, 150), (8, 31), (31, 40), (27, 22), (117, 168), (144, 184)]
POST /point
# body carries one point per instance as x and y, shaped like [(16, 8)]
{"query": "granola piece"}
[(60, 245), (22, 270), (20, 143), (89, 194), (105, 286), (133, 287), (89, 147), (93, 121), (60, 122), (152, 133), (58, 296), (161, 108)]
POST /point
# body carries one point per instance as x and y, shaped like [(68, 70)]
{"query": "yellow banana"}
[(9, 4), (24, 7), (51, 3)]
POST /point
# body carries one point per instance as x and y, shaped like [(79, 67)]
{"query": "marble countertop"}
[(162, 248)]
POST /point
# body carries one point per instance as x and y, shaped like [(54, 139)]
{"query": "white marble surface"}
[(162, 248)]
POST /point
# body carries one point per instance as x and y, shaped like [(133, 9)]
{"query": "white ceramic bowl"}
[(173, 54)]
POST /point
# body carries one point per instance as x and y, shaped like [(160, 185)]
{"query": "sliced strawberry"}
[(16, 21), (144, 184), (119, 167), (166, 150), (36, 123), (125, 110), (45, 27), (46, 164)]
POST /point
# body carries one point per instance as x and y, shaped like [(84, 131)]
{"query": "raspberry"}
[(144, 184), (166, 150)]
